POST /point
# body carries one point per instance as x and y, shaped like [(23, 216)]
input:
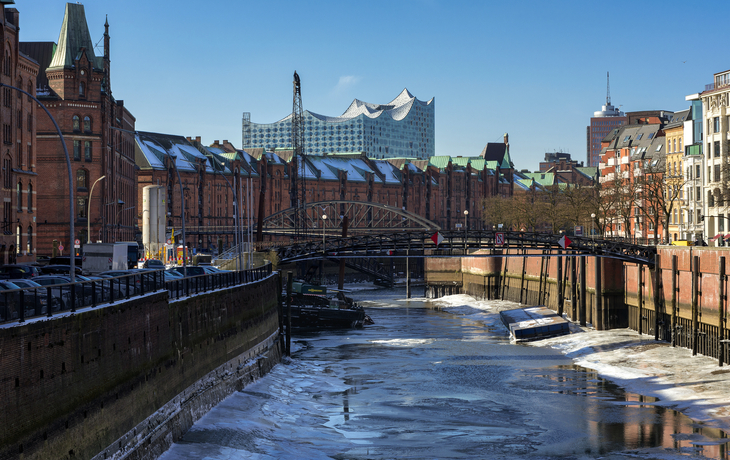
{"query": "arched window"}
[(81, 207), (76, 126), (19, 196), (30, 197), (87, 124), (6, 63), (19, 238), (29, 240), (82, 89), (81, 181)]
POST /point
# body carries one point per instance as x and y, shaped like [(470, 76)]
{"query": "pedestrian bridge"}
[(415, 243)]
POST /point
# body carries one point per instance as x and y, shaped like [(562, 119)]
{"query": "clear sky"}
[(533, 69)]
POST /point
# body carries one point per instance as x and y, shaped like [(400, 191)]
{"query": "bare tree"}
[(498, 210)]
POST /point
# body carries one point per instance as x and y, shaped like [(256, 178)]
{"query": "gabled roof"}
[(42, 53), (152, 148), (74, 35), (499, 152), (439, 161), (678, 118), (545, 179)]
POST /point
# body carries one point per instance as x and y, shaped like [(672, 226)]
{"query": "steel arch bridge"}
[(363, 217), (455, 243)]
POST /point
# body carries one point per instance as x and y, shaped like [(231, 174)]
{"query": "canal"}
[(429, 383)]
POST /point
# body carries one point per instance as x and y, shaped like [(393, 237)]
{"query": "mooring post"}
[(695, 294), (504, 273), (599, 297), (573, 289), (674, 301), (522, 277), (640, 297), (582, 313), (721, 314), (288, 312), (657, 299), (560, 283), (408, 272), (542, 268)]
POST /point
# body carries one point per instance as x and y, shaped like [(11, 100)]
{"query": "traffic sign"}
[(60, 247), (499, 238), (564, 242), (77, 242)]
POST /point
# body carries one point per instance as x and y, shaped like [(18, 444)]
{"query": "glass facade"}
[(402, 128)]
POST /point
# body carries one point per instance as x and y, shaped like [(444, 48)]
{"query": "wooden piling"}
[(695, 271), (640, 297), (573, 289), (721, 314), (674, 301), (582, 313), (657, 292), (599, 297), (288, 312), (540, 286), (560, 283), (522, 276)]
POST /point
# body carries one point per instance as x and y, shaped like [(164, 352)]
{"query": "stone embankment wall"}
[(615, 294), (127, 379)]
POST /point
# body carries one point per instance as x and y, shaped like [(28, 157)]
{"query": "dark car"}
[(61, 270), (154, 264), (191, 270), (18, 271)]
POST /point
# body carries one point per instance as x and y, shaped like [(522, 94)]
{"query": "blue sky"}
[(533, 69)]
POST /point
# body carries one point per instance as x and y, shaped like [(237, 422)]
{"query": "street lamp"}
[(88, 211), (119, 212), (593, 219), (324, 221), (466, 213)]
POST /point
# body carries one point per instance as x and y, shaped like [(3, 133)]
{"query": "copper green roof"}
[(544, 179), (74, 36), (441, 161), (478, 163), (461, 161)]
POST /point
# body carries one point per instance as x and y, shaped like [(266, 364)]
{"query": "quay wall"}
[(127, 379), (628, 294)]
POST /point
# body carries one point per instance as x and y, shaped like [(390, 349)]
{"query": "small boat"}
[(312, 307)]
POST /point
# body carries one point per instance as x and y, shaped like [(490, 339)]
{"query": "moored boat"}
[(313, 307)]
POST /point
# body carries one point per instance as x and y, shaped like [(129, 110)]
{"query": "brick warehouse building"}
[(20, 175), (74, 84), (439, 189)]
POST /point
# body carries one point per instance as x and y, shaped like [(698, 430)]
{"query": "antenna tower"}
[(608, 91), (298, 164)]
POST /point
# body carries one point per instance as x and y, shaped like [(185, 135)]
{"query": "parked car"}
[(174, 273), (16, 271), (211, 270), (58, 269), (155, 264), (191, 270), (35, 300)]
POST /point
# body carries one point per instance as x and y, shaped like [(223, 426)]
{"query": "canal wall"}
[(660, 301), (127, 379)]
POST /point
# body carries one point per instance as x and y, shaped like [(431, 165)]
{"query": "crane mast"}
[(298, 188)]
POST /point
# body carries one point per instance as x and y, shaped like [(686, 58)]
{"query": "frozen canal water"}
[(423, 383)]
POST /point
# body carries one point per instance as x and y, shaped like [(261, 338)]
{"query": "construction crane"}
[(298, 187)]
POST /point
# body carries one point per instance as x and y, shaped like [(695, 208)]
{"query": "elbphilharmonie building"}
[(404, 127)]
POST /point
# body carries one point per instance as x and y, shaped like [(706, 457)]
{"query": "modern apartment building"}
[(716, 125)]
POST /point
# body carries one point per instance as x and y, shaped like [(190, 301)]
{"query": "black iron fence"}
[(17, 305)]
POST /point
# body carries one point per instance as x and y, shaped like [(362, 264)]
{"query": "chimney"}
[(197, 139)]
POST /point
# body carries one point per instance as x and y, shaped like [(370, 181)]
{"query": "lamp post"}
[(72, 230), (593, 220), (117, 219), (466, 229), (324, 221), (88, 211)]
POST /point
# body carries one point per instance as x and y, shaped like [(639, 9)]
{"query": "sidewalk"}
[(694, 385)]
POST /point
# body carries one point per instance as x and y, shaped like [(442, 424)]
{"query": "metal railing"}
[(17, 305)]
